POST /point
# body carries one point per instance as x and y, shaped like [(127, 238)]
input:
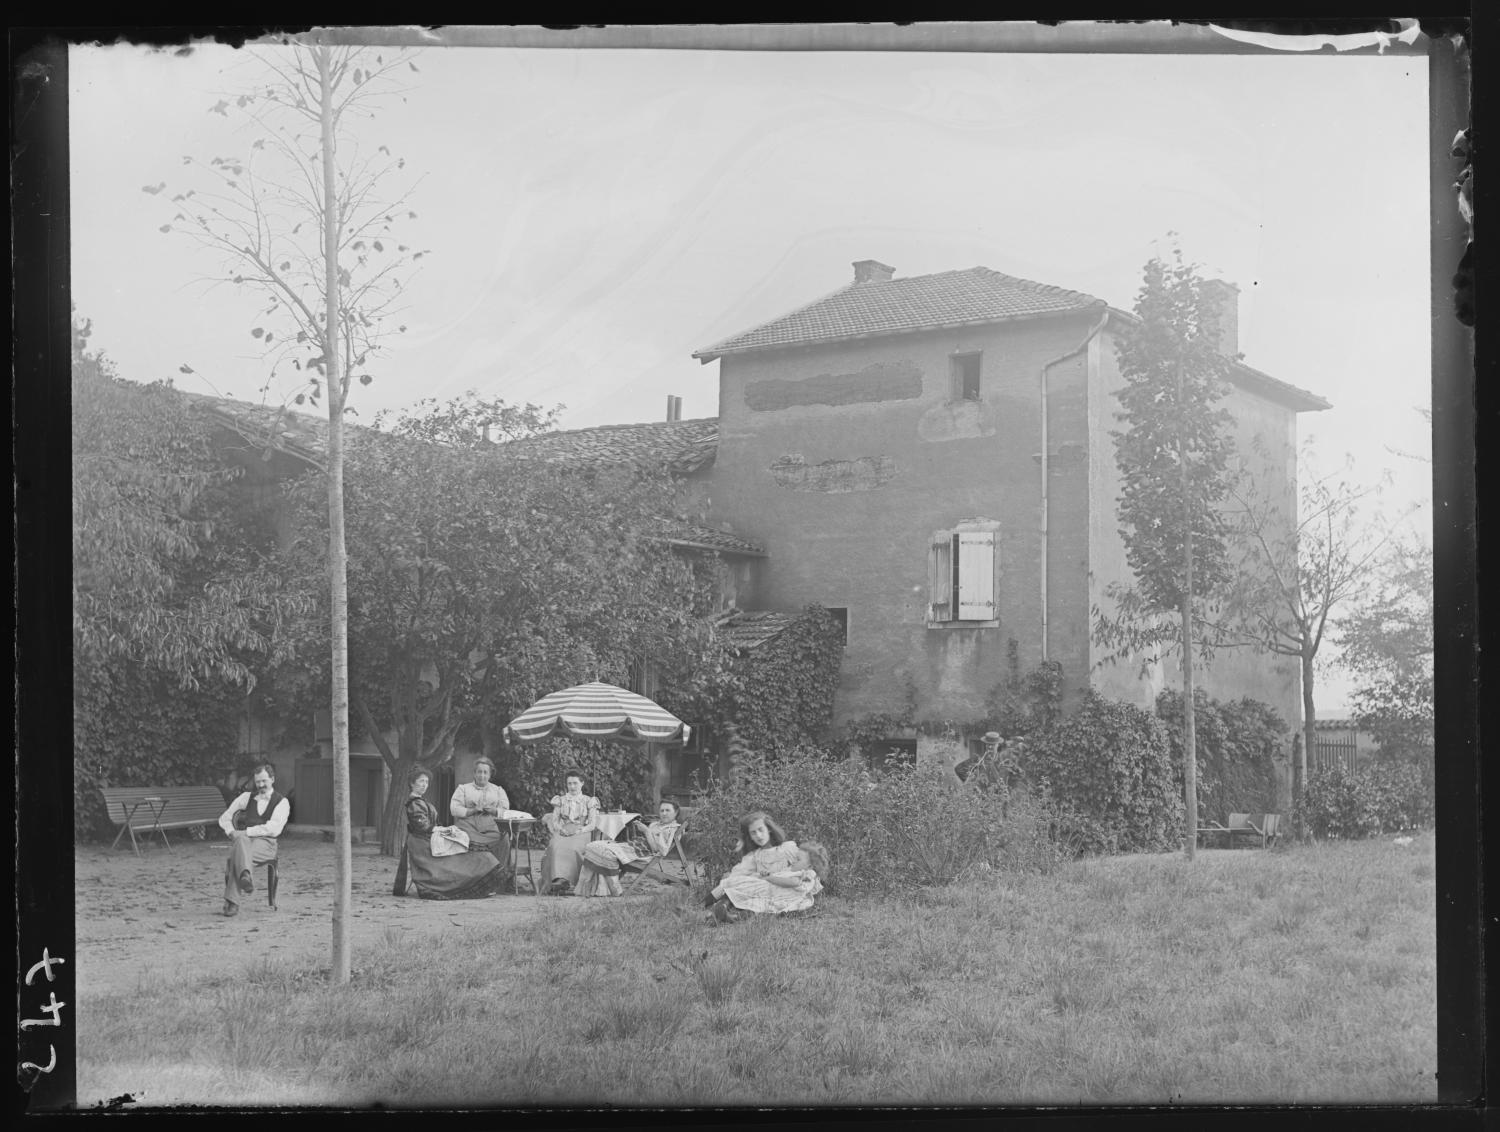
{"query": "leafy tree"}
[(158, 580), (1293, 571), (302, 218), (172, 620), (1388, 644), (1173, 461), (482, 579)]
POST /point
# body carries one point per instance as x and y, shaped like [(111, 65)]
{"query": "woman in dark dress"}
[(456, 877)]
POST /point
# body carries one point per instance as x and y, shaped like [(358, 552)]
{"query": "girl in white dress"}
[(790, 890)]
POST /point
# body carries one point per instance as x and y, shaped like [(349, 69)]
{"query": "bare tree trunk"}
[(338, 563), (1309, 732), (1189, 728), (1189, 723)]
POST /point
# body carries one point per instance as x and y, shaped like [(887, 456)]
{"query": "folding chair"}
[(659, 859)]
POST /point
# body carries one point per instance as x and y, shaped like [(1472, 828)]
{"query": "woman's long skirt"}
[(486, 833), (564, 858), (462, 876)]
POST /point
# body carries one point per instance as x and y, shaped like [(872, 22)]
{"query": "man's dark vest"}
[(248, 817)]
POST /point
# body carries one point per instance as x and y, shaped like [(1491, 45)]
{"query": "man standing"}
[(253, 823), (476, 807)]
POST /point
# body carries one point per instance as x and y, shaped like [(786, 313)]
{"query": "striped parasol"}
[(596, 711)]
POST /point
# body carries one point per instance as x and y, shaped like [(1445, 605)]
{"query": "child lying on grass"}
[(790, 890)]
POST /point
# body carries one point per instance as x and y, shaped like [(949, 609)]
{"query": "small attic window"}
[(966, 377)]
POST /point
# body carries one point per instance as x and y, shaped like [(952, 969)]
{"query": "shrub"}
[(1334, 805), (1236, 742), (1109, 769), (1400, 793), (1385, 796), (935, 829), (912, 826), (811, 795)]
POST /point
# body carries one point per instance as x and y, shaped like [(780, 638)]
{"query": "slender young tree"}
[(1294, 569), (1173, 460), (304, 217)]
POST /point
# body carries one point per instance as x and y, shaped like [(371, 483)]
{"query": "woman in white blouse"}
[(570, 823)]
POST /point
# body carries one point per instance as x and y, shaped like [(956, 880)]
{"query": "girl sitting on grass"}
[(764, 850), (790, 890)]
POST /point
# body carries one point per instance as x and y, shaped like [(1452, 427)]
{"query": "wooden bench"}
[(1264, 826), (156, 809)]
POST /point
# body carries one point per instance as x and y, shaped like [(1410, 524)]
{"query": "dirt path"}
[(154, 915)]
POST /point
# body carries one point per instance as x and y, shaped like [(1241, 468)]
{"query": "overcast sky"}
[(597, 215)]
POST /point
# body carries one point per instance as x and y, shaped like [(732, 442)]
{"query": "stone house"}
[(931, 457)]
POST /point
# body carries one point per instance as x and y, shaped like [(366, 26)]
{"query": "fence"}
[(1341, 751)]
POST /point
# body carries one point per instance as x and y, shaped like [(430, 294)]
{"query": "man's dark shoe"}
[(246, 884), (231, 908), (721, 911), (710, 900)]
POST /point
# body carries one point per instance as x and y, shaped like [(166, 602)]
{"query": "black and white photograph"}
[(755, 567)]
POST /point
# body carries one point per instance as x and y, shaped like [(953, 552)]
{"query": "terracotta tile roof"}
[(1272, 388), (750, 628), (279, 428), (899, 306), (712, 538), (680, 446)]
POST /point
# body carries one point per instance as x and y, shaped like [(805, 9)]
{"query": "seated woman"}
[(476, 806), (456, 877), (599, 873), (570, 822)]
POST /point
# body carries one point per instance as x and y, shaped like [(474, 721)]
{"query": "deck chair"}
[(638, 869), (1264, 826)]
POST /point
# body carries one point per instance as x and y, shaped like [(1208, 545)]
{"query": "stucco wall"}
[(843, 460)]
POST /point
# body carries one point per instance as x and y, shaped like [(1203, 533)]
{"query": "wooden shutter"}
[(940, 578), (976, 576)]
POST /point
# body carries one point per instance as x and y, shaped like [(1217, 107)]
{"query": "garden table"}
[(520, 834), (612, 822)]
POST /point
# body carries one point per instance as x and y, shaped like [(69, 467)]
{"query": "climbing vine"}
[(1021, 704), (779, 696)]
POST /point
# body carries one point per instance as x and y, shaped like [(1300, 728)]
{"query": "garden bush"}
[(812, 796), (1400, 792), (1386, 796), (1109, 769), (1236, 745), (908, 827), (1333, 805)]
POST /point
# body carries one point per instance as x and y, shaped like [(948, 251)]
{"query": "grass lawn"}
[(1304, 974)]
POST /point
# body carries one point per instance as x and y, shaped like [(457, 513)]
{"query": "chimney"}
[(674, 408), (1227, 324), (872, 271)]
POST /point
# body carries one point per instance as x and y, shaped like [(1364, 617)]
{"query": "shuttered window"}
[(940, 578), (961, 576), (976, 575)]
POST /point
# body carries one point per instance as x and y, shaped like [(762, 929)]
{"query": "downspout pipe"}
[(1046, 472)]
